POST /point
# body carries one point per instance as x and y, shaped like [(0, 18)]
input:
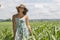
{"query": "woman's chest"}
[(18, 20)]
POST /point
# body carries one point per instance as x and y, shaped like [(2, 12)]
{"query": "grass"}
[(42, 30)]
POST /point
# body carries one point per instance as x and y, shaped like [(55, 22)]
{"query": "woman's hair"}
[(25, 9)]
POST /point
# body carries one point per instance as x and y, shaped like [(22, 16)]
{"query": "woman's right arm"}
[(14, 26)]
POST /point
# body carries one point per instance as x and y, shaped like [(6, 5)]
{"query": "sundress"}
[(22, 32)]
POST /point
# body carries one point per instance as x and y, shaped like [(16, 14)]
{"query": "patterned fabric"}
[(22, 32)]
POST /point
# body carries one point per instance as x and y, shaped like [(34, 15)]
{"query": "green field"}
[(42, 30)]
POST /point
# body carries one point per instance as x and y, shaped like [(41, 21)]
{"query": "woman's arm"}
[(14, 25), (28, 25)]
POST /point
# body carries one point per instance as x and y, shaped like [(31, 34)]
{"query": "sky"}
[(38, 9)]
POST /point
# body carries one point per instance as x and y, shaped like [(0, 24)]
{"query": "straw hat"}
[(22, 5)]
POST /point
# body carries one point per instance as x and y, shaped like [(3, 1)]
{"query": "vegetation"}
[(42, 30)]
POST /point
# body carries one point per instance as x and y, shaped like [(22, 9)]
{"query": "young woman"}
[(21, 25)]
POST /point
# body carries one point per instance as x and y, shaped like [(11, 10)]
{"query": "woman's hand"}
[(32, 37)]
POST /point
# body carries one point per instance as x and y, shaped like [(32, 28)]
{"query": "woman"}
[(21, 26)]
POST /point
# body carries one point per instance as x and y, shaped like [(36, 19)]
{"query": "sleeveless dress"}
[(22, 32)]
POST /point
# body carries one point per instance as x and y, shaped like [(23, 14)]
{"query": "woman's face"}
[(21, 9)]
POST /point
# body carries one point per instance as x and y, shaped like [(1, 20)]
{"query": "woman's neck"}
[(20, 14)]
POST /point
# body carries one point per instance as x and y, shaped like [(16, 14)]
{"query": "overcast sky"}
[(38, 9)]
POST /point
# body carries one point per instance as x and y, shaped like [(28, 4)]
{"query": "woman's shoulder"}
[(14, 15), (26, 16)]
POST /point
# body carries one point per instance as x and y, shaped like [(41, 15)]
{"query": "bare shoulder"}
[(14, 16), (26, 17)]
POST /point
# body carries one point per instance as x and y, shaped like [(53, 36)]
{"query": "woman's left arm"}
[(28, 25)]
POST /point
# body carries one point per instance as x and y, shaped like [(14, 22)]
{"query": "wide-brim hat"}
[(22, 5)]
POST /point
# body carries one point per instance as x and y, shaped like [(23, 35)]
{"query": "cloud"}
[(46, 10), (57, 1), (2, 5), (40, 9), (39, 5), (17, 0)]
